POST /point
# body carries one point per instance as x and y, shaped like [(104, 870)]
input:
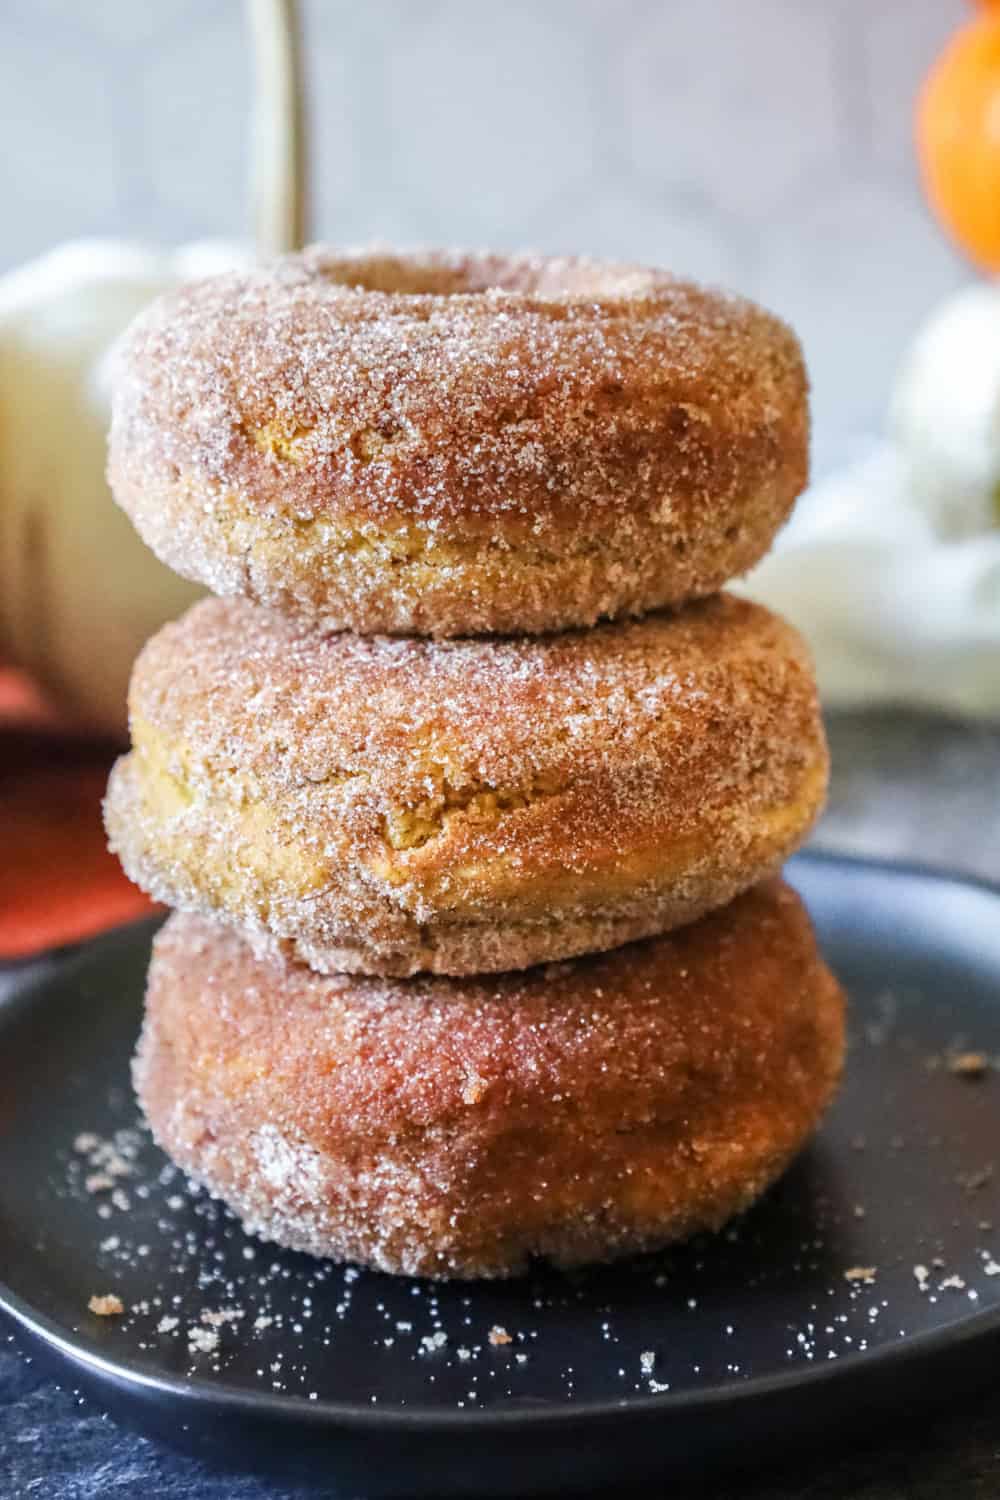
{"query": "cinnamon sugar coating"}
[(448, 444), (390, 806), (447, 1127)]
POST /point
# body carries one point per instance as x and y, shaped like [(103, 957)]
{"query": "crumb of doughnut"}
[(974, 1181), (106, 1305), (865, 1274), (498, 1336), (972, 1065)]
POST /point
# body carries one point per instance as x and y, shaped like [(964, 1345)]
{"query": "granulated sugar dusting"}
[(448, 445), (451, 400), (469, 806)]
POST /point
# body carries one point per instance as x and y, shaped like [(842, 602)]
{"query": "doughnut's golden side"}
[(459, 1127), (390, 806), (448, 445)]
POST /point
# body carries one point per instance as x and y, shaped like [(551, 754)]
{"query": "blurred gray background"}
[(765, 144)]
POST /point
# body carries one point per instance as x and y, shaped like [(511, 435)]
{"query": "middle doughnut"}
[(390, 806)]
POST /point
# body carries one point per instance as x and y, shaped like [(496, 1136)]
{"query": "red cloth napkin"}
[(58, 883)]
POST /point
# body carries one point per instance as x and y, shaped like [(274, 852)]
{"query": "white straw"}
[(279, 171)]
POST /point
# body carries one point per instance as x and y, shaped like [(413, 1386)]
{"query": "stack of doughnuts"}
[(470, 789)]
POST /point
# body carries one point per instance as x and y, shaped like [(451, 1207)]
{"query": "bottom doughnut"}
[(461, 1127)]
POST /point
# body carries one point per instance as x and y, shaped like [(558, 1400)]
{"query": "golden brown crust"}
[(446, 444), (390, 806), (458, 1127)]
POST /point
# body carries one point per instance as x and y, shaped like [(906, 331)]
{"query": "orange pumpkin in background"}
[(958, 138)]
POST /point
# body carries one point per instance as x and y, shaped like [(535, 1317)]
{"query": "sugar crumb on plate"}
[(971, 1065), (106, 1305)]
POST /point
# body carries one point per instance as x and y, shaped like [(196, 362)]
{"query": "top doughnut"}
[(448, 444)]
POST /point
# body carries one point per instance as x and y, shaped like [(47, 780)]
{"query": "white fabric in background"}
[(894, 612)]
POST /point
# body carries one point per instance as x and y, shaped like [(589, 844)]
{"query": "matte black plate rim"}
[(289, 1410)]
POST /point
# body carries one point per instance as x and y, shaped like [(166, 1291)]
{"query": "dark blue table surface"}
[(56, 1446)]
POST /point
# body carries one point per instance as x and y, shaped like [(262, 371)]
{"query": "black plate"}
[(716, 1353)]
